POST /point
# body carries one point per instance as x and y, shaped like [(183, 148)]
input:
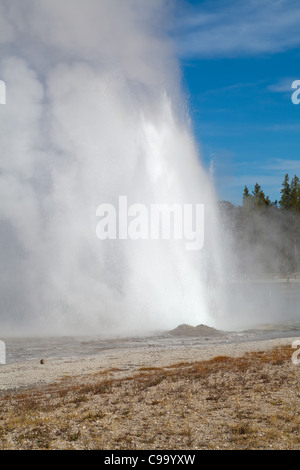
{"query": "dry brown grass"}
[(249, 402)]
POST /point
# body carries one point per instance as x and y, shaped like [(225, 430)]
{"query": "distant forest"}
[(265, 235)]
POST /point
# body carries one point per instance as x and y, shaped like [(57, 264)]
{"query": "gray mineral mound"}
[(199, 330)]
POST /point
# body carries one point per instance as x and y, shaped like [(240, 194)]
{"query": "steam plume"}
[(94, 110)]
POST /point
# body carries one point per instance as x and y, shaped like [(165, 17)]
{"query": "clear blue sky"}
[(239, 59)]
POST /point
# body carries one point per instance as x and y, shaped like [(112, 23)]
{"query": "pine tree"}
[(260, 200), (246, 194), (285, 201), (247, 198), (295, 194)]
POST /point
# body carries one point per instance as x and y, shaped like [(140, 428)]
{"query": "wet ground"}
[(28, 348)]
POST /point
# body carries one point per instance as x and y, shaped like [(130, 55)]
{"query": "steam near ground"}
[(95, 110)]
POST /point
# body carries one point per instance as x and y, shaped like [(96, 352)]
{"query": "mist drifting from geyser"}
[(95, 110)]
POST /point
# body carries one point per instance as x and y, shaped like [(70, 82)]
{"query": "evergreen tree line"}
[(290, 195), (266, 235)]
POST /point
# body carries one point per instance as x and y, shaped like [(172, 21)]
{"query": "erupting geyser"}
[(94, 111)]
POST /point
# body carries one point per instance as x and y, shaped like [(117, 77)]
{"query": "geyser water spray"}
[(95, 111)]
